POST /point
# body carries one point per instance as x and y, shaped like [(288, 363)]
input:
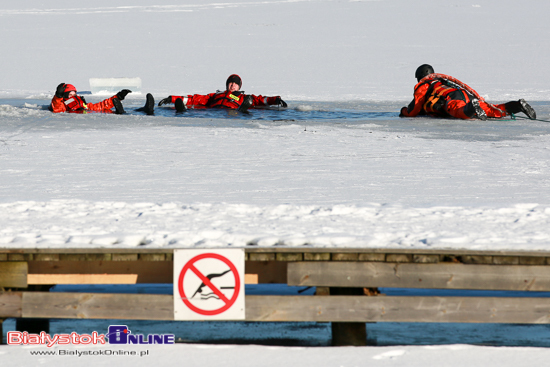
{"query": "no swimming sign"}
[(209, 284)]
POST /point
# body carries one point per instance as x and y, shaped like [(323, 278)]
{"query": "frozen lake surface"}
[(293, 177), (320, 153)]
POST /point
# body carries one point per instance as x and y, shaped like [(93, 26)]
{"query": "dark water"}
[(283, 114), (298, 111), (372, 115)]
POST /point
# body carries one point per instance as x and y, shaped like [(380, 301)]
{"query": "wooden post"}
[(34, 325), (348, 333), (13, 274)]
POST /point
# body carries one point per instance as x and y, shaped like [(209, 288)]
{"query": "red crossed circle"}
[(190, 265)]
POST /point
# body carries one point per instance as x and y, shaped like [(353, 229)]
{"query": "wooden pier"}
[(347, 282)]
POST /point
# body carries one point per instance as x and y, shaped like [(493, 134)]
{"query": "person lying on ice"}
[(232, 98), (66, 100), (444, 96)]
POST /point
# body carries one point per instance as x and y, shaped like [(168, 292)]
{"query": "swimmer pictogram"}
[(209, 284)]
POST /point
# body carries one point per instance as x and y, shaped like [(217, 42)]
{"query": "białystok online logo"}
[(116, 334)]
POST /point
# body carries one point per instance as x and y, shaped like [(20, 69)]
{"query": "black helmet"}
[(234, 78), (423, 70)]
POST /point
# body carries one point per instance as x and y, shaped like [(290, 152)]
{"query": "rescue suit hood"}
[(234, 78), (68, 89)]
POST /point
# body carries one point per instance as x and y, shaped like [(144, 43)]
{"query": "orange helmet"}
[(69, 88)]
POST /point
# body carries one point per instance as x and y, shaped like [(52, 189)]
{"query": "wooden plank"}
[(299, 308), (132, 272), (426, 259), (289, 257), (86, 257), (46, 257), (82, 278), (530, 260), (101, 279), (399, 258), (125, 257), (13, 274), (319, 256), (98, 306), (20, 257), (450, 276), (152, 257), (345, 256), (258, 250), (10, 304), (398, 309), (506, 260), (372, 257), (412, 251), (84, 250), (251, 278), (146, 271), (476, 259), (262, 257)]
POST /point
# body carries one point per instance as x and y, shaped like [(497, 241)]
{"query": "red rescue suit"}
[(76, 104), (225, 99), (441, 95)]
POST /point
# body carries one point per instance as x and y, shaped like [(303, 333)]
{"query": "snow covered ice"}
[(342, 176), (178, 181)]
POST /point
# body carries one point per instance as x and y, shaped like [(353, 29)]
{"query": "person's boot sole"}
[(479, 111), (528, 110), (180, 106)]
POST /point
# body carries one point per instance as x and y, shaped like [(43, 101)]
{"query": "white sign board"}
[(209, 284)]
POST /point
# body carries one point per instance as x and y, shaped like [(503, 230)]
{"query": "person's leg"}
[(103, 106), (119, 110), (458, 106), (514, 107), (463, 106), (180, 105), (494, 111), (149, 107)]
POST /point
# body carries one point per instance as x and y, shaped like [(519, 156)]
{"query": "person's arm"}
[(416, 105), (267, 101), (188, 100), (57, 104)]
